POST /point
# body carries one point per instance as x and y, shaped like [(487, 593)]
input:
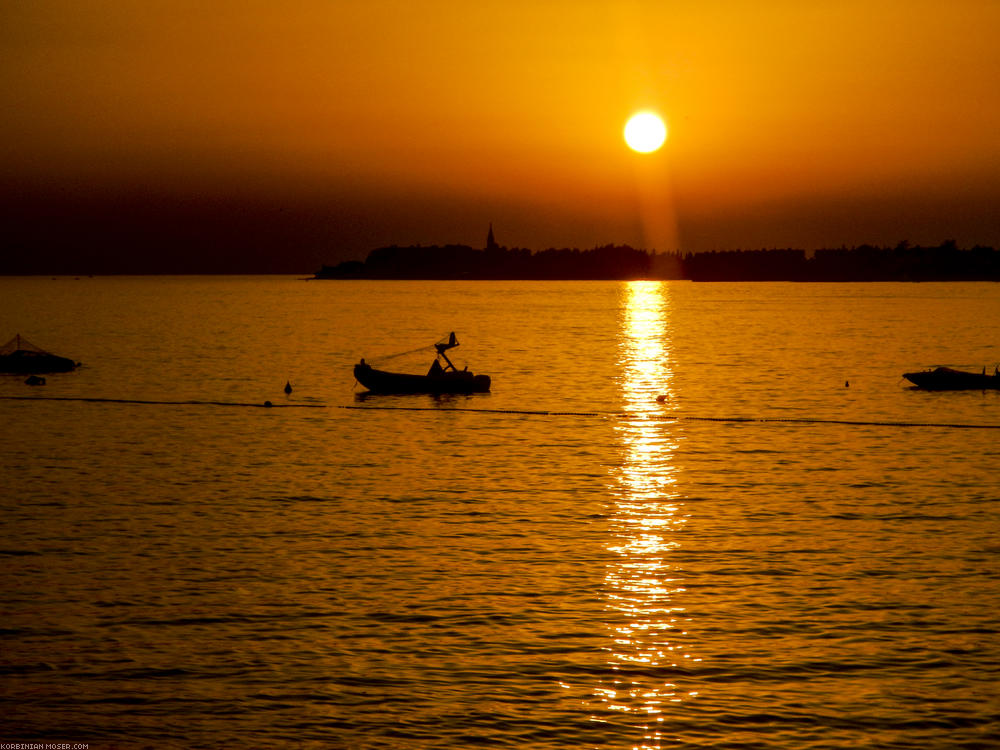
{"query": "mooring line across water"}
[(263, 405), (521, 412), (684, 417)]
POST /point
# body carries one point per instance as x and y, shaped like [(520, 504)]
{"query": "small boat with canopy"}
[(21, 356), (441, 378)]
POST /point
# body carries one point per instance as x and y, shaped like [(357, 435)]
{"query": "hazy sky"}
[(194, 135)]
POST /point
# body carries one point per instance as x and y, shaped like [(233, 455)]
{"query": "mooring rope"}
[(387, 357), (265, 404), (651, 417), (684, 417)]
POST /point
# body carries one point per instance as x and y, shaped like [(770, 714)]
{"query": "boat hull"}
[(380, 381), (24, 362), (947, 379)]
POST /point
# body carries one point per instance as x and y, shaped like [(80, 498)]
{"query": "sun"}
[(645, 132)]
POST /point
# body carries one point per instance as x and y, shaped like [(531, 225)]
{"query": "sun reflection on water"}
[(643, 586)]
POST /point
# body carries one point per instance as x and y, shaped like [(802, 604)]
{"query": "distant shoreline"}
[(944, 262)]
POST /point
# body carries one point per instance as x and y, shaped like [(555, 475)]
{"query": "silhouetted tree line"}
[(945, 262), (462, 262)]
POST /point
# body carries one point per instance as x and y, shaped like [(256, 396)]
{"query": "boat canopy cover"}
[(20, 355), (21, 344)]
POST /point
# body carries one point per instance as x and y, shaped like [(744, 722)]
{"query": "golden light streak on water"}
[(643, 587)]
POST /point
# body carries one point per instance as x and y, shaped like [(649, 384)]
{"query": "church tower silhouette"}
[(491, 243)]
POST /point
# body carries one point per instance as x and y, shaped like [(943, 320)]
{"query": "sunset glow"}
[(791, 125)]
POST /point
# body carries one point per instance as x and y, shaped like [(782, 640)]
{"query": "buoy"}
[(847, 384), (288, 387), (268, 404), (661, 398)]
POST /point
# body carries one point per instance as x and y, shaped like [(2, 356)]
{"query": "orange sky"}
[(368, 123)]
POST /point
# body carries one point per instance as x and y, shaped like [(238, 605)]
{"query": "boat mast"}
[(443, 347)]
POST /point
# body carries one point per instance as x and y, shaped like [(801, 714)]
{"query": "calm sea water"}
[(565, 562)]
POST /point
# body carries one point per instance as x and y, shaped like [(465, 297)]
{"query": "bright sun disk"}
[(645, 132)]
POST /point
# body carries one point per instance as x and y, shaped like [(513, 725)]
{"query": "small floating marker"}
[(847, 384), (268, 404), (661, 398), (288, 387)]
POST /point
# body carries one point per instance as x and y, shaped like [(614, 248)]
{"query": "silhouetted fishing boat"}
[(439, 379), (947, 379), (21, 356)]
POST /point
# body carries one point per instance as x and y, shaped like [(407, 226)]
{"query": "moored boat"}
[(21, 356), (440, 378), (948, 379)]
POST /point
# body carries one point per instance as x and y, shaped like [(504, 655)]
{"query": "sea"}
[(688, 515)]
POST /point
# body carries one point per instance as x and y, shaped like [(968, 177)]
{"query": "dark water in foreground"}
[(420, 573)]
